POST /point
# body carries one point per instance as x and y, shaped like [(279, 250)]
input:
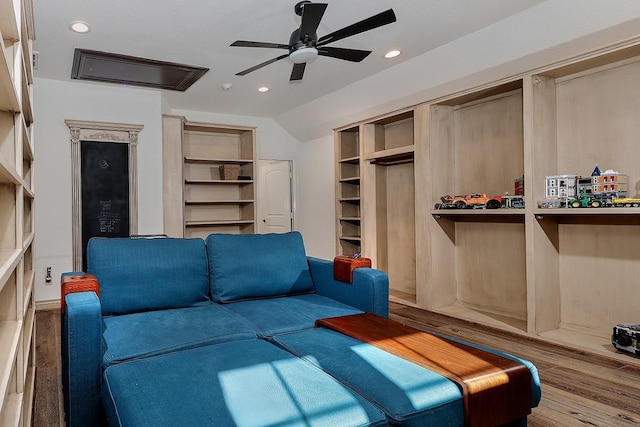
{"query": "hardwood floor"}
[(578, 388), (48, 406)]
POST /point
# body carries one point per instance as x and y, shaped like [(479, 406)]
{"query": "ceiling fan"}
[(304, 44)]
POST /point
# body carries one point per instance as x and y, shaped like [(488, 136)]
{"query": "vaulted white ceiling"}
[(199, 32)]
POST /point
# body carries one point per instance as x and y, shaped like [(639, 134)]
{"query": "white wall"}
[(55, 102), (316, 201)]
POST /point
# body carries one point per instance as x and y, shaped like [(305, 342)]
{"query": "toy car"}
[(625, 202), (473, 200)]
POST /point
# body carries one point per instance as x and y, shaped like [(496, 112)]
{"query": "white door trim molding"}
[(101, 132)]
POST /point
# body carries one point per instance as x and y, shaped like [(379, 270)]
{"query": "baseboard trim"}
[(52, 304)]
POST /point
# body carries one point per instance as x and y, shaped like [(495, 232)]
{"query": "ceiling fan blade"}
[(264, 64), (383, 18), (311, 15), (244, 43), (297, 72), (353, 55)]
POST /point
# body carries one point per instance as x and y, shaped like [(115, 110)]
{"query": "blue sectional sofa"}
[(221, 332)]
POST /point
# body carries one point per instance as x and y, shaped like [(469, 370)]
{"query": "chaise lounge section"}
[(222, 332)]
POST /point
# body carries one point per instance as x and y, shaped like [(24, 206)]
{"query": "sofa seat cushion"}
[(131, 336), (270, 316), (409, 394), (248, 266), (137, 274), (241, 383)]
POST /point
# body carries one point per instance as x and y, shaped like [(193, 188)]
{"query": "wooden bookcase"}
[(348, 209), (198, 200), (17, 308), (565, 275), (376, 182)]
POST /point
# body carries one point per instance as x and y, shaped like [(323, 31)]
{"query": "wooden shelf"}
[(9, 259), (350, 218), (500, 321), (351, 180), (217, 161), (351, 160), (480, 216), (218, 181), (587, 211), (8, 174), (351, 238), (29, 280), (219, 202), (478, 212), (349, 199), (583, 341), (8, 92), (26, 98), (218, 222), (9, 339), (8, 23), (392, 156)]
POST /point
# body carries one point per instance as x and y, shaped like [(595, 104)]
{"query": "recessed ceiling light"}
[(392, 54), (263, 89), (79, 27)]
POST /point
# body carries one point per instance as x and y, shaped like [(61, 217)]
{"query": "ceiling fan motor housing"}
[(299, 6), (302, 48)]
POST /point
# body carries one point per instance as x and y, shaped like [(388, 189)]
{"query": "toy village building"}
[(600, 184)]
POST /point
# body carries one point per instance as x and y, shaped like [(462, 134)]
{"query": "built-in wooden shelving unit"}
[(198, 200), (566, 275), (17, 308)]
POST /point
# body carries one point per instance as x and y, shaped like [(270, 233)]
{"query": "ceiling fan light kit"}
[(303, 55), (304, 44)]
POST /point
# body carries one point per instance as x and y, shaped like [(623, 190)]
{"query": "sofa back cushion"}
[(137, 274), (250, 266)]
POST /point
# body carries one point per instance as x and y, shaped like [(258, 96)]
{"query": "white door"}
[(274, 196)]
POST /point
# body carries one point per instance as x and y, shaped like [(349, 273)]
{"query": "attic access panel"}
[(131, 70)]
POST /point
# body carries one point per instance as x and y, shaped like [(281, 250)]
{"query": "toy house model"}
[(560, 186), (604, 184)]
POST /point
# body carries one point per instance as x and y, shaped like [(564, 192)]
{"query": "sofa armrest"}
[(369, 291), (77, 282), (82, 358)]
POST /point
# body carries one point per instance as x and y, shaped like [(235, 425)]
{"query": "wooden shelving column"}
[(375, 193), (198, 200), (477, 264), (17, 308), (587, 260), (348, 209)]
